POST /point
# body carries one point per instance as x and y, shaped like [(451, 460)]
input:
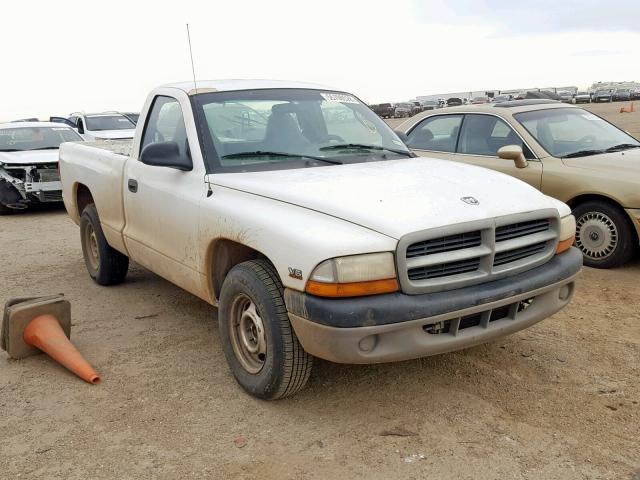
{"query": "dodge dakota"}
[(301, 215)]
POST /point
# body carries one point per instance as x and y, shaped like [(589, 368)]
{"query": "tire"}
[(267, 360), (106, 266), (5, 210), (603, 234)]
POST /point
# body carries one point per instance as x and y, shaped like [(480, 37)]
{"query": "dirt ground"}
[(559, 401)]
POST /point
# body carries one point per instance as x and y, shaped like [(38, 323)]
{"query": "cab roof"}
[(241, 84)]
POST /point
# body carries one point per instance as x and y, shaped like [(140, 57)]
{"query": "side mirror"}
[(165, 154), (403, 136), (80, 128), (513, 152)]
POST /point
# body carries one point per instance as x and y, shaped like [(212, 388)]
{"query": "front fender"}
[(288, 235)]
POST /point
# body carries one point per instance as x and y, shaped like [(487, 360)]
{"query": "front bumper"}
[(396, 326)]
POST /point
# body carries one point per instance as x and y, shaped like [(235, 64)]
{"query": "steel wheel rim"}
[(91, 242), (247, 334), (596, 235)]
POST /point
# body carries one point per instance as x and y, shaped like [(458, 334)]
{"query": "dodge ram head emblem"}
[(470, 200)]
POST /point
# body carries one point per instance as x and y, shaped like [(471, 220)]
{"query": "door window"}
[(166, 124), (486, 134), (438, 133)]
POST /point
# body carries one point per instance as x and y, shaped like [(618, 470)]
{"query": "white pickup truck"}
[(304, 217)]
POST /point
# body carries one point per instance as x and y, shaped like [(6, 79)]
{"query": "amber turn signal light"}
[(356, 289), (565, 245)]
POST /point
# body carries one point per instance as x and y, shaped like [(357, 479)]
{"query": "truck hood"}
[(394, 197), (112, 134), (625, 164), (31, 157)]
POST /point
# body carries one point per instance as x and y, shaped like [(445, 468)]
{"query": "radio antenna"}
[(193, 68)]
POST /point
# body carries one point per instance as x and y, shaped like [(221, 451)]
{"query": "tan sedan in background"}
[(564, 151)]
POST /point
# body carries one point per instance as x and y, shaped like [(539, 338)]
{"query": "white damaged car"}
[(29, 163)]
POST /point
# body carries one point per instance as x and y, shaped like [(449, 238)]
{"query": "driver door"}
[(162, 203)]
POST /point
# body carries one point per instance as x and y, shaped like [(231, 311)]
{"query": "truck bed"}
[(119, 147), (96, 167)]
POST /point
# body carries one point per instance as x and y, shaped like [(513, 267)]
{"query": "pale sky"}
[(64, 56)]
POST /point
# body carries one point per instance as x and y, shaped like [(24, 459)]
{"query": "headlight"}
[(353, 276), (567, 233)]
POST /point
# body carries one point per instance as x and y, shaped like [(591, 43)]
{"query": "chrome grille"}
[(521, 229), (444, 244), (475, 252), (444, 269), (508, 256)]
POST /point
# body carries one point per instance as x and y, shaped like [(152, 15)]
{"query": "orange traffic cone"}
[(45, 333)]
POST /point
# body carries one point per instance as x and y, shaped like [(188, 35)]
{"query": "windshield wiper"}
[(43, 148), (261, 153), (583, 153), (363, 146), (622, 146)]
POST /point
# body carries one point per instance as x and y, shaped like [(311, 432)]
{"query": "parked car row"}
[(29, 153)]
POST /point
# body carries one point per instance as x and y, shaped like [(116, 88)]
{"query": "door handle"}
[(133, 185)]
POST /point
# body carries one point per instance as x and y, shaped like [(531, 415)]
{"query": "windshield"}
[(35, 138), (569, 131), (108, 122), (602, 92), (269, 129)]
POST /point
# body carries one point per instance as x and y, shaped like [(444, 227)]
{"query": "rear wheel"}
[(259, 343), (106, 266), (603, 234)]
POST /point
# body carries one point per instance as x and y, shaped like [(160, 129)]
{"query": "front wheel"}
[(106, 266), (603, 234), (259, 343)]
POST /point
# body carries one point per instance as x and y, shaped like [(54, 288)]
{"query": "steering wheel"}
[(589, 139)]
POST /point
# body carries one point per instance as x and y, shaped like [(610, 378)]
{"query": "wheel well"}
[(574, 202), (83, 197), (225, 254)]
